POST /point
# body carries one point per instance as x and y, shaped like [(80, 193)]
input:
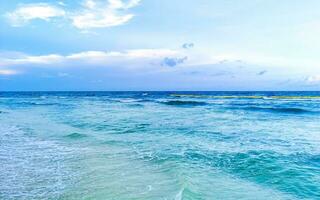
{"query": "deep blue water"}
[(160, 145)]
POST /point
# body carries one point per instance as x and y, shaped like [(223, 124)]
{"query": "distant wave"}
[(275, 109), (289, 110), (217, 96), (37, 104), (128, 100), (132, 100), (184, 103), (245, 96)]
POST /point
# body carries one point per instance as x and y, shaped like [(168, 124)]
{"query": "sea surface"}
[(160, 145)]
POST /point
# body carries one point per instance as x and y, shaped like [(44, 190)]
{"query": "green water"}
[(159, 146)]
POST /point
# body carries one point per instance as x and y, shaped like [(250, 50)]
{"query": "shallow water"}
[(160, 145)]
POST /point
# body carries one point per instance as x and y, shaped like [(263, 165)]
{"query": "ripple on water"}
[(76, 136)]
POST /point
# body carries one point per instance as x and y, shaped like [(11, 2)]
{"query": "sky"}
[(130, 45)]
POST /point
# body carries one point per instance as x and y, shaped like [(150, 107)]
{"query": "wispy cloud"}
[(92, 14), (8, 72), (26, 13), (136, 57), (315, 79)]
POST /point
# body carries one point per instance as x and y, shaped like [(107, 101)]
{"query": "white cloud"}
[(91, 4), (99, 20), (8, 72), (25, 13), (92, 14), (313, 79), (99, 15), (118, 4), (61, 3), (46, 59)]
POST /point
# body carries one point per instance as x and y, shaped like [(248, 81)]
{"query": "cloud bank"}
[(156, 66), (137, 58)]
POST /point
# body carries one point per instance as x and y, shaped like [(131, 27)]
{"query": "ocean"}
[(160, 145)]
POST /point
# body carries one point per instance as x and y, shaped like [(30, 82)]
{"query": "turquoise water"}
[(160, 145)]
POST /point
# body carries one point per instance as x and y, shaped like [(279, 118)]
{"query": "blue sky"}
[(159, 45)]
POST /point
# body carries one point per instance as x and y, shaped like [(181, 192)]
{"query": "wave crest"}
[(279, 110), (184, 103)]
